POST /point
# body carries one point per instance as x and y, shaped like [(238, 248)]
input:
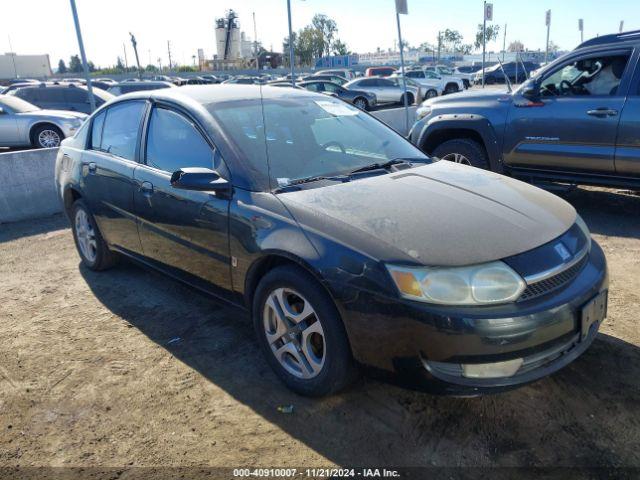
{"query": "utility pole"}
[(548, 22), (126, 63), (169, 52), (439, 46), (13, 57), (135, 50), (401, 8), (160, 64), (581, 28), (293, 80), (504, 43), (255, 41), (74, 12), (621, 26)]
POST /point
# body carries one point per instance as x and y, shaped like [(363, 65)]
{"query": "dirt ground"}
[(129, 368)]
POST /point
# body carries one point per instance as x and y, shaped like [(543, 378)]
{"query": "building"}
[(13, 65), (231, 43)]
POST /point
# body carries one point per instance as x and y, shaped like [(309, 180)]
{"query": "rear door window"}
[(121, 129)]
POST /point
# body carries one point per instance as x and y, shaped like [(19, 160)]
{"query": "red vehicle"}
[(379, 71)]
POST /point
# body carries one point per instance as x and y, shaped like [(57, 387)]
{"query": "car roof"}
[(625, 37), (211, 94)]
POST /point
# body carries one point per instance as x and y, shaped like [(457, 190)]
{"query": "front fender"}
[(423, 131)]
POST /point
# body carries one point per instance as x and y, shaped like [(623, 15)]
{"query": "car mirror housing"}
[(1, 110), (531, 90), (200, 179)]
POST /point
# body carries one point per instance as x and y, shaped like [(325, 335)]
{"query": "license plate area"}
[(593, 312)]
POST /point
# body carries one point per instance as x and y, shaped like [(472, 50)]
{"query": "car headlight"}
[(488, 283), (422, 111), (583, 226)]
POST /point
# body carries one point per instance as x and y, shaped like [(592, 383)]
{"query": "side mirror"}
[(531, 91), (200, 179), (1, 110)]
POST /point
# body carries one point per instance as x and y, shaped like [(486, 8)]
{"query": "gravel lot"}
[(129, 368)]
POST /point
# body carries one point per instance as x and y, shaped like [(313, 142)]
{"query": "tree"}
[(326, 29), (340, 48), (451, 40), (553, 48), (92, 67), (516, 46), (491, 34), (119, 65), (426, 47), (75, 65), (62, 67), (309, 45)]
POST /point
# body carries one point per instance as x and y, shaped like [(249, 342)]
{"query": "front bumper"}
[(422, 346)]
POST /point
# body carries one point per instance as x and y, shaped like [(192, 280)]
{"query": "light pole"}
[(484, 39), (74, 12), (401, 7), (291, 56)]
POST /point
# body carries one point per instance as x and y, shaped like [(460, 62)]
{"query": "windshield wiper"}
[(300, 181), (389, 164)]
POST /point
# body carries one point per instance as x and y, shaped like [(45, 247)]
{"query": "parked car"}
[(128, 87), (346, 244), (331, 78), (427, 88), (340, 72), (362, 100), (244, 80), (23, 124), (61, 97), (574, 123), (431, 80), (495, 74), (211, 78), (467, 73), (385, 90), (379, 71), (454, 82)]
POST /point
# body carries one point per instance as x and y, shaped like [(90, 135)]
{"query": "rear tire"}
[(451, 88), (92, 248), (310, 354), (464, 151), (410, 99), (46, 136)]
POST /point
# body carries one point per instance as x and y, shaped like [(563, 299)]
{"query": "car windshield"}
[(446, 70), (17, 104), (302, 137)]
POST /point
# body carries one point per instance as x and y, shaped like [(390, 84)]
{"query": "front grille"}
[(555, 282)]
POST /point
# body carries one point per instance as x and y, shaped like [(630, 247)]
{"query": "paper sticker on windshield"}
[(283, 181), (337, 109)]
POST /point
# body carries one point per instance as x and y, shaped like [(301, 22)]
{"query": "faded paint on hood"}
[(440, 214)]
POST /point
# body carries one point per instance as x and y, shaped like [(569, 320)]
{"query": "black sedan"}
[(362, 100), (346, 243)]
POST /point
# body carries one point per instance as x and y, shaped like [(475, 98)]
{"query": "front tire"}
[(464, 151), (361, 103), (431, 93), (92, 248), (46, 136), (301, 333)]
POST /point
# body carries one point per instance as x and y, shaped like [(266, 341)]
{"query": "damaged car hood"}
[(442, 214)]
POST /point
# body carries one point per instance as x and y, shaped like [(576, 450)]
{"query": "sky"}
[(363, 24)]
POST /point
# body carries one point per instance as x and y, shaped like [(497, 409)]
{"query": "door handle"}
[(92, 167), (602, 112), (146, 188)]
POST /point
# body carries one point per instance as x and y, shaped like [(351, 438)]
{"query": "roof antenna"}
[(506, 78)]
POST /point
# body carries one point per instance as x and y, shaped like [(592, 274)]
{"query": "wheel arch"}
[(41, 123), (270, 260), (452, 126), (70, 195)]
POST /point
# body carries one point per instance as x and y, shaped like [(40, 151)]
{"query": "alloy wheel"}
[(48, 139), (457, 158), (361, 104), (86, 236), (294, 333)]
